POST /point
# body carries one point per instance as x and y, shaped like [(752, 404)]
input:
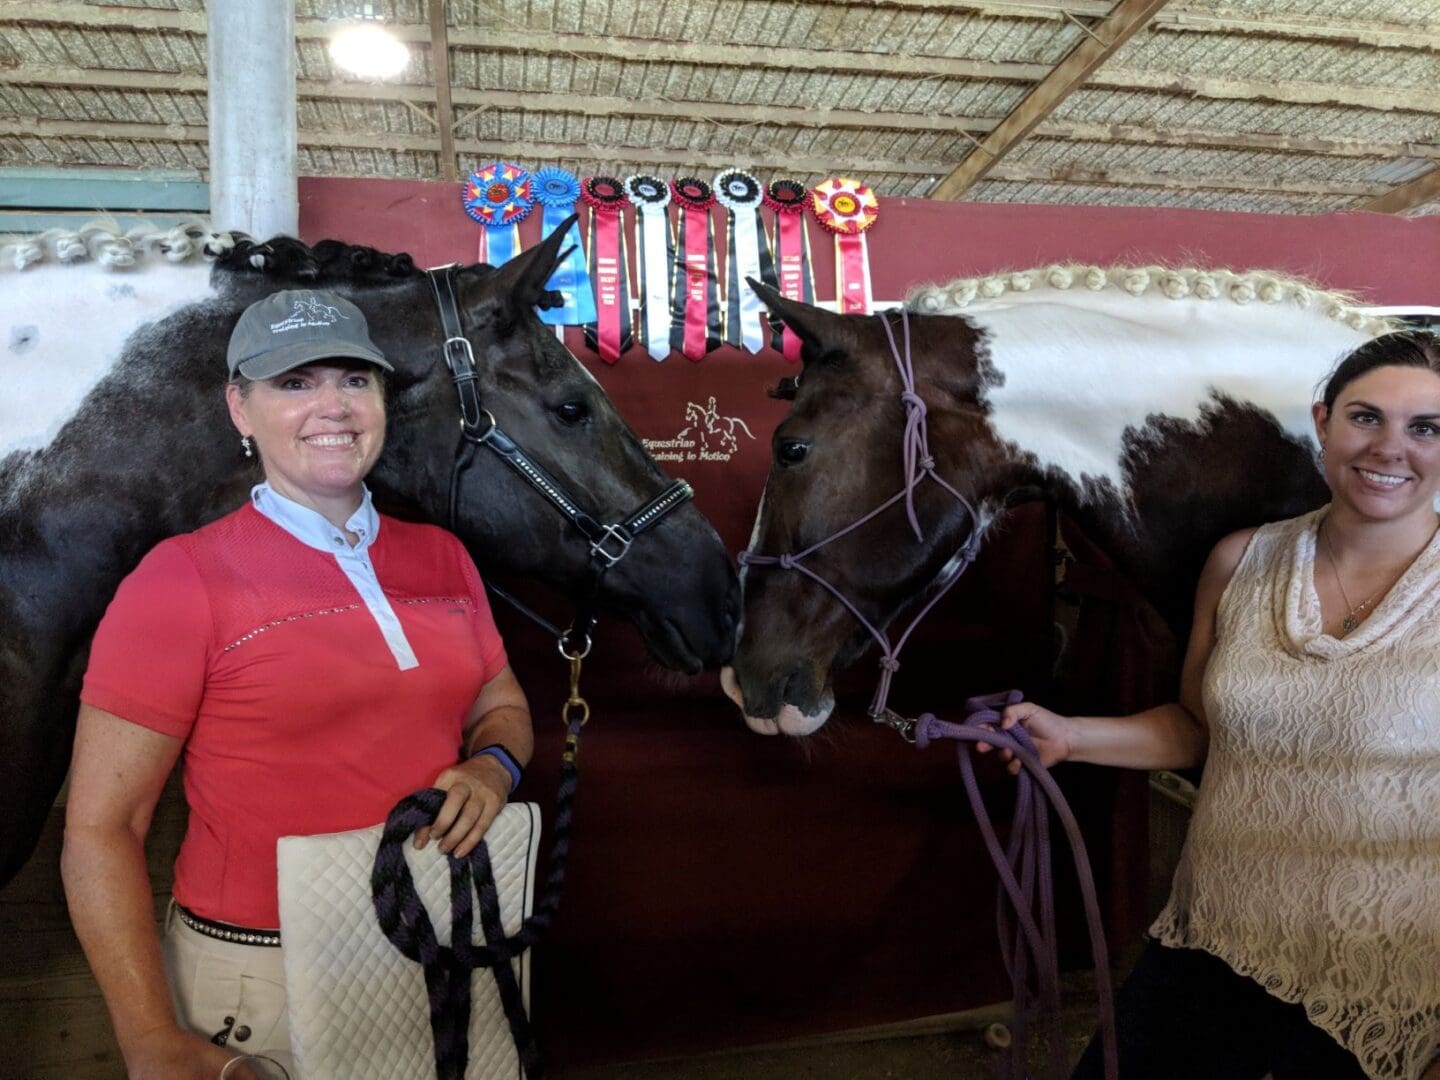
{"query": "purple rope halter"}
[(1025, 907), (919, 464)]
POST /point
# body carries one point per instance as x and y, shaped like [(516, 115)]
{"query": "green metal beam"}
[(97, 190), (15, 223)]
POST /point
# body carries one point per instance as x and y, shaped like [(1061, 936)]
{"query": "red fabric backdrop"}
[(728, 889)]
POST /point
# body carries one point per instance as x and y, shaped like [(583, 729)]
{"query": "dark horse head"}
[(1157, 440), (138, 447), (836, 457)]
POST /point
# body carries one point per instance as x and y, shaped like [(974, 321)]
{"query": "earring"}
[(1322, 455), (250, 447)]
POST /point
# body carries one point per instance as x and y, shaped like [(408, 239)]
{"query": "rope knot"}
[(787, 561), (913, 401), (890, 664), (927, 463)]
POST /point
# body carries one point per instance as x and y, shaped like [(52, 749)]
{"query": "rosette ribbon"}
[(556, 190), (848, 208), (611, 333), (794, 278), (651, 196), (695, 299), (499, 197), (741, 195)]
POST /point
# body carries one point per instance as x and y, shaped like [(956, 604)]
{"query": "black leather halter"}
[(608, 543)]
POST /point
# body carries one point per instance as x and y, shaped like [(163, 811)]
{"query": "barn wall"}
[(1385, 259)]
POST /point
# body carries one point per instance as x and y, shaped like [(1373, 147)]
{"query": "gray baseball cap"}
[(295, 327)]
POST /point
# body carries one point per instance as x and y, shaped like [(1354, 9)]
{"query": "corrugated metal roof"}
[(1285, 106)]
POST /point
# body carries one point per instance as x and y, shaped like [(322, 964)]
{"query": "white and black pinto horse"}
[(114, 435), (1160, 408)]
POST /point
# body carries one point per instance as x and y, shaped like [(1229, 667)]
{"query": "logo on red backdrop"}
[(706, 436)]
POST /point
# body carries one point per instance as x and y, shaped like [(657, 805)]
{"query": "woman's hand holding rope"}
[(1052, 734), (475, 792)]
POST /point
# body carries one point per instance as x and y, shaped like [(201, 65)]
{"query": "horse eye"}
[(572, 412), (791, 451)]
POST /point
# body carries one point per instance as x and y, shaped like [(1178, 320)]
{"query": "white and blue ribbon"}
[(651, 197), (557, 191)]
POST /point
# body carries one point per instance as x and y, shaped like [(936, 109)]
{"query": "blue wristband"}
[(505, 758)]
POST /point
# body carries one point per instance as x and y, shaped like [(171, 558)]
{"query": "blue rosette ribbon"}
[(557, 191), (499, 197)]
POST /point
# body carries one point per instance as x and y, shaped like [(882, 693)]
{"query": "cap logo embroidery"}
[(308, 312)]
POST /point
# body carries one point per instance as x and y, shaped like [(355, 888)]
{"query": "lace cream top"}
[(1313, 859)]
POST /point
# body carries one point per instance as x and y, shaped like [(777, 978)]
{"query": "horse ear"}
[(822, 330), (524, 276)]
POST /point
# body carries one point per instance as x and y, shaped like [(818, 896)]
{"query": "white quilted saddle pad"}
[(358, 1008)]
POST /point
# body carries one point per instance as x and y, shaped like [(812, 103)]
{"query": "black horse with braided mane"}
[(113, 435)]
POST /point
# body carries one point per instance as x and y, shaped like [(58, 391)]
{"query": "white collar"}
[(311, 527)]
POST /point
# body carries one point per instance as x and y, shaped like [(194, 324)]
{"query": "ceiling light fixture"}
[(369, 50)]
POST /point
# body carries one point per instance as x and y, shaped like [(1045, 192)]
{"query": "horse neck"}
[(149, 454)]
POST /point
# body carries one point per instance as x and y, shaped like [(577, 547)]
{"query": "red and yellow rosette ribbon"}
[(848, 209)]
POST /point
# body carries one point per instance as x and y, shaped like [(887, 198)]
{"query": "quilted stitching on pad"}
[(358, 1008)]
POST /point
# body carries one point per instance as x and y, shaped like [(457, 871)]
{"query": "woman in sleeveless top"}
[(1302, 934)]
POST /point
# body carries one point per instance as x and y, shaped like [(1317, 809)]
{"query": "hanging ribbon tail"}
[(501, 243), (852, 274), (695, 302), (656, 263), (795, 279), (744, 313), (611, 333), (571, 278)]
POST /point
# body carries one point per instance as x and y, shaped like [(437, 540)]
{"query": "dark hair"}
[(284, 258), (1404, 348)]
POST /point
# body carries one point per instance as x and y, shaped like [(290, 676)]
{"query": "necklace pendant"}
[(1348, 624)]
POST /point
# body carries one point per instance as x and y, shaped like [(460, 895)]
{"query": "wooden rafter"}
[(611, 155), (440, 68), (754, 116), (1127, 18), (1304, 28), (1074, 174), (1180, 17), (839, 62), (1407, 196)]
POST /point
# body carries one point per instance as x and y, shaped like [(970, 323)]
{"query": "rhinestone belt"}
[(239, 935)]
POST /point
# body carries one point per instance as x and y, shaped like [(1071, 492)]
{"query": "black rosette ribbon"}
[(749, 257), (611, 333), (695, 296), (794, 277), (655, 260)]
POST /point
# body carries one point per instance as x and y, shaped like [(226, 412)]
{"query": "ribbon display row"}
[(683, 305)]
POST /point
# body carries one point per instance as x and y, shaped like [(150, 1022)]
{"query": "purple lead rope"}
[(1026, 901)]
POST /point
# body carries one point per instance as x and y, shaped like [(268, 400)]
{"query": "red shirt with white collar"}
[(298, 716)]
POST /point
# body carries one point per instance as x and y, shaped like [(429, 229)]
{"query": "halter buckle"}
[(620, 535), (464, 343)]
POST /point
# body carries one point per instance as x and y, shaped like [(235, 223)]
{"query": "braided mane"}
[(1172, 283), (283, 258)]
